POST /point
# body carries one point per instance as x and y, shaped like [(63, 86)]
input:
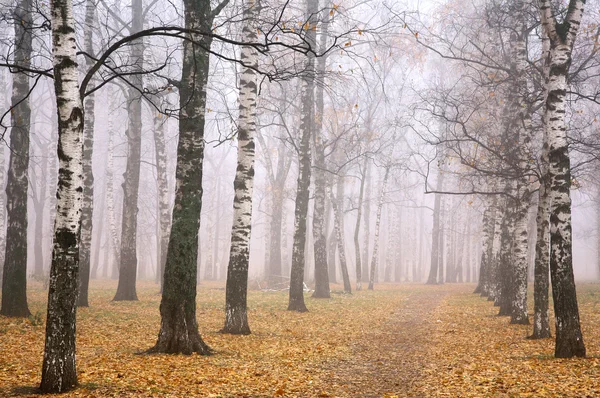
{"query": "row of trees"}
[(504, 120), (301, 96)]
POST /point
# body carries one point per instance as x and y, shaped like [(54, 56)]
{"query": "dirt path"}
[(388, 361)]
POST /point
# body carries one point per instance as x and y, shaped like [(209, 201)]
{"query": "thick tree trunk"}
[(126, 289), (569, 340), (236, 313), (541, 318), (14, 280), (374, 260), (87, 209), (58, 370), (179, 328)]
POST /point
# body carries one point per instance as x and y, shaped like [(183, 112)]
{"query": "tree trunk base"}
[(569, 347), (16, 312), (59, 376), (181, 343), (321, 295), (519, 320), (127, 296), (236, 322), (538, 335), (297, 306)]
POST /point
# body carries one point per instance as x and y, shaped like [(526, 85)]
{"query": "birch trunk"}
[(320, 240), (569, 339), (367, 222), (505, 258), (126, 289), (236, 312), (179, 327), (331, 246), (486, 247), (541, 318), (494, 270), (374, 260), (2, 185), (110, 194), (59, 369), (357, 253), (338, 224), (14, 280), (87, 209), (440, 278), (296, 297), (163, 194), (39, 201), (521, 121)]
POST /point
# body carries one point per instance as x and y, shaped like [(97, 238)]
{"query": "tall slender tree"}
[(296, 296), (236, 312), (87, 210), (59, 367)]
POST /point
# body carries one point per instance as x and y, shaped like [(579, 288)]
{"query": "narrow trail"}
[(388, 361)]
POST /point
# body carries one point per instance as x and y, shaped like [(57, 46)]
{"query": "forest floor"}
[(406, 340)]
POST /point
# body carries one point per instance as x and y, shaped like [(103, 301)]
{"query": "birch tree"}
[(375, 255), (562, 35), (296, 296), (87, 210), (236, 314), (59, 368)]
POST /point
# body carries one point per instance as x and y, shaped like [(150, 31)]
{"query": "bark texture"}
[(296, 297), (236, 311), (375, 258), (569, 340), (164, 211), (14, 280), (319, 230), (87, 210), (179, 327), (59, 369)]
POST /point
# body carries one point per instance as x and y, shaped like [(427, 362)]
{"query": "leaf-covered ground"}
[(400, 340)]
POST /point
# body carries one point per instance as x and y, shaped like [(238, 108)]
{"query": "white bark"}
[(236, 317), (58, 370), (569, 340), (375, 257)]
